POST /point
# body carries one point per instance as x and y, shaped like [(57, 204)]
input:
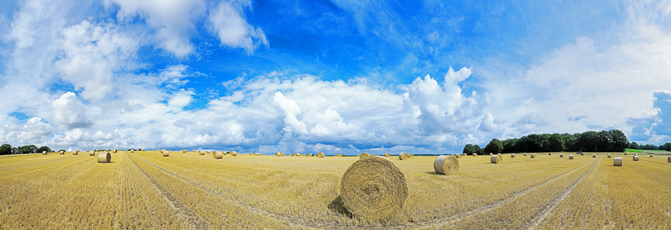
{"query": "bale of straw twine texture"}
[(496, 159), (512, 155), (218, 154), (635, 157), (373, 188), (403, 156), (446, 165), (617, 161), (320, 155), (570, 157), (363, 155), (104, 157), (234, 153), (533, 155)]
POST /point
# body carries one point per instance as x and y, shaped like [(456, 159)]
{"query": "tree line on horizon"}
[(590, 141), (7, 149)]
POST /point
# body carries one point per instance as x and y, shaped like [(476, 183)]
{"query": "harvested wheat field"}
[(144, 190)]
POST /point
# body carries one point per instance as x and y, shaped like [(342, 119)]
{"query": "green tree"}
[(495, 146), (468, 149), (5, 149), (667, 146), (478, 150), (556, 143), (619, 141), (588, 140), (44, 148), (633, 145)]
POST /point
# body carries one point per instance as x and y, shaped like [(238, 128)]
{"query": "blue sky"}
[(332, 76)]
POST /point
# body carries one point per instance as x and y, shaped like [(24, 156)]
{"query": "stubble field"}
[(191, 191)]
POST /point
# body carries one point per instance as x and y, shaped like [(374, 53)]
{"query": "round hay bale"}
[(234, 153), (104, 157), (75, 152), (282, 154), (277, 154), (309, 154), (525, 154), (593, 155), (650, 155), (373, 188), (549, 154), (625, 153), (635, 157), (410, 155), (92, 153), (201, 152), (475, 154), (165, 153), (608, 155), (184, 151), (44, 152), (512, 155), (320, 155), (561, 155), (387, 155), (363, 155), (446, 165), (617, 161), (403, 156), (218, 154), (570, 157), (533, 155), (457, 155), (491, 154), (62, 152), (496, 159), (668, 159), (132, 151)]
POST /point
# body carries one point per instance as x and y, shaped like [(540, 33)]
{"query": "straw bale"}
[(104, 157), (403, 156), (165, 153), (320, 155), (234, 153), (617, 161), (387, 155), (533, 155), (44, 152), (593, 155), (218, 154), (608, 155), (446, 165), (570, 157), (635, 157), (363, 155), (512, 155), (373, 188), (496, 159)]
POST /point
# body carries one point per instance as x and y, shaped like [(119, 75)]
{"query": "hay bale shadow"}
[(338, 206)]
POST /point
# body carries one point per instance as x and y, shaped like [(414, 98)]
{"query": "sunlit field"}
[(145, 190)]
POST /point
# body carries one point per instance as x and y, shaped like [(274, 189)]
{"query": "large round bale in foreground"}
[(373, 188), (218, 154), (496, 159), (165, 153), (104, 157), (446, 165), (570, 157), (363, 155), (617, 161), (403, 156), (320, 155), (593, 155), (635, 157)]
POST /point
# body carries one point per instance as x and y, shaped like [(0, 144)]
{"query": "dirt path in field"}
[(296, 222), (545, 212), (182, 211)]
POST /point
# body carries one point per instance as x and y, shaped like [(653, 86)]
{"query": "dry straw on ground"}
[(635, 157), (617, 161), (320, 155), (496, 159), (104, 157), (218, 155), (373, 188), (570, 157), (446, 165), (403, 156), (363, 155)]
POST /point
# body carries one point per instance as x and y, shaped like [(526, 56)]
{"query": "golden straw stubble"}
[(373, 188), (446, 165)]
